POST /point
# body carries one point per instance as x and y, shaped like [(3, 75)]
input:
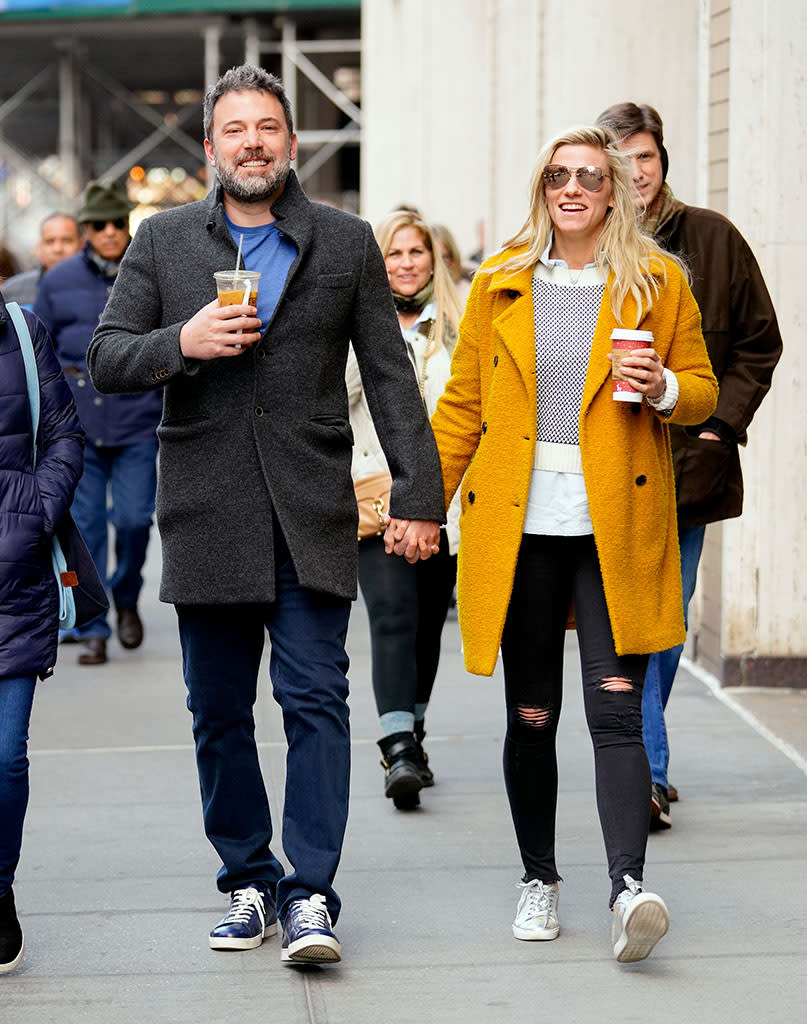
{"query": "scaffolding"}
[(120, 99)]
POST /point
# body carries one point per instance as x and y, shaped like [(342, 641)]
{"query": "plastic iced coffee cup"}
[(623, 342), (237, 287)]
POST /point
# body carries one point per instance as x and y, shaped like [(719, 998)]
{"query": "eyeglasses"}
[(590, 178), (118, 222)]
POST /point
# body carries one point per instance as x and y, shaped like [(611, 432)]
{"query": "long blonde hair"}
[(449, 310), (634, 257)]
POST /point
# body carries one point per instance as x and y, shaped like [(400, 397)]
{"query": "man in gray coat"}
[(255, 507)]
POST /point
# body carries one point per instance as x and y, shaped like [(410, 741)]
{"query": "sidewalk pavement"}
[(116, 884)]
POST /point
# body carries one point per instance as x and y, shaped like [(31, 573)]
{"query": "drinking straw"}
[(238, 257)]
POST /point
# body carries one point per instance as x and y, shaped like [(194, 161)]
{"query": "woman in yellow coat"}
[(568, 502)]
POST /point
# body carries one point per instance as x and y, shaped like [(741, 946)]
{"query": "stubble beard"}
[(253, 188)]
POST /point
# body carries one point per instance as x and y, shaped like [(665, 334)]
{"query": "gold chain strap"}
[(431, 347)]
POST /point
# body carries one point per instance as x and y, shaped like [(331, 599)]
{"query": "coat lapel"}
[(516, 323)]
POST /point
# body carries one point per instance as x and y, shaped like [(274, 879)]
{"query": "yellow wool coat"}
[(485, 425)]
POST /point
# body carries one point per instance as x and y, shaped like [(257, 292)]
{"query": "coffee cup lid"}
[(623, 334)]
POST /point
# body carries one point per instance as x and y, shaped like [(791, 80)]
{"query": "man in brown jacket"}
[(744, 345)]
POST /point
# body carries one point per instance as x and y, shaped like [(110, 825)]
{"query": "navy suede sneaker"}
[(252, 917), (308, 936)]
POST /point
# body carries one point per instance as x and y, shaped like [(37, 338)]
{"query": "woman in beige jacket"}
[(569, 500), (407, 603)]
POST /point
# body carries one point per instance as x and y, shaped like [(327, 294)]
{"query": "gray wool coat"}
[(267, 430)]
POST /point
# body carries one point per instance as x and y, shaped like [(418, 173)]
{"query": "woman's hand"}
[(412, 538), (644, 371)]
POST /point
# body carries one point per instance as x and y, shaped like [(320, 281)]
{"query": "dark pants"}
[(221, 649), (128, 475), (407, 607), (551, 573)]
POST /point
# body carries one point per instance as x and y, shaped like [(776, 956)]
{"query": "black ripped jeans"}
[(551, 573)]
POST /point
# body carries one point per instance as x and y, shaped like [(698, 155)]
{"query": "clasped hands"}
[(212, 332), (413, 538)]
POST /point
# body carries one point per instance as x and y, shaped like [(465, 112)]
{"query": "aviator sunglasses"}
[(590, 178), (118, 222)]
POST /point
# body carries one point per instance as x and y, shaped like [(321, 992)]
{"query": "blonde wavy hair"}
[(634, 257), (449, 310)]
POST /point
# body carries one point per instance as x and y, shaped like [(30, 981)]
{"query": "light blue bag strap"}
[(32, 380), (29, 358)]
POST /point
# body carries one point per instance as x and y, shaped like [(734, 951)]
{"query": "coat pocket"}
[(335, 280), (702, 470)]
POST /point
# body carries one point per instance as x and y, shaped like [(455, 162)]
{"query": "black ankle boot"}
[(403, 778), (11, 940), (423, 758)]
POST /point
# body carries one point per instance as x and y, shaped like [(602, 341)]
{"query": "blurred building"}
[(113, 89)]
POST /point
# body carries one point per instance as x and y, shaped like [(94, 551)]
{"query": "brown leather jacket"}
[(744, 345)]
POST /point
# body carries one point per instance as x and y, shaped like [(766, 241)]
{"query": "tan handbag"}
[(372, 497)]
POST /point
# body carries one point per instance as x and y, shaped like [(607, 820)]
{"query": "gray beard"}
[(255, 188)]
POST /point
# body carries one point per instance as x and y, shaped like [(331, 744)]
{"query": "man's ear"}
[(210, 153)]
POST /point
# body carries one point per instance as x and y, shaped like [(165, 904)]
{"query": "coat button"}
[(641, 480), (260, 354), (471, 497), (484, 428), (258, 410), (495, 360)]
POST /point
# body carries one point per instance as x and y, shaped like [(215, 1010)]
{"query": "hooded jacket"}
[(32, 501)]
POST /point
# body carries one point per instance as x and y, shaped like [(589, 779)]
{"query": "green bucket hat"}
[(104, 201)]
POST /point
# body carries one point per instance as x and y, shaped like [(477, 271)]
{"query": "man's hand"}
[(412, 538), (211, 333)]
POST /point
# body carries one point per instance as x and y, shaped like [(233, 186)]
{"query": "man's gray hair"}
[(247, 77)]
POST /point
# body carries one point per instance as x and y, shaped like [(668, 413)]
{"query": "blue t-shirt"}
[(266, 249)]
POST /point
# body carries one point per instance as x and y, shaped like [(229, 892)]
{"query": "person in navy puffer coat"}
[(32, 503), (121, 429)]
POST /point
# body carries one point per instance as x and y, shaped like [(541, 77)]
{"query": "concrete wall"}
[(765, 552)]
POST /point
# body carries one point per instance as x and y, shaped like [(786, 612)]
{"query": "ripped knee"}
[(614, 707), (616, 684), (532, 716)]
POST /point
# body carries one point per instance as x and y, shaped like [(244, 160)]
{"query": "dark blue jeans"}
[(128, 475), (16, 700), (662, 667), (221, 649)]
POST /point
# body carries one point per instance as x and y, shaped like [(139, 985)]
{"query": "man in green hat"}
[(121, 452)]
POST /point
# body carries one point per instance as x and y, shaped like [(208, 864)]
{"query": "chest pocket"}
[(335, 280)]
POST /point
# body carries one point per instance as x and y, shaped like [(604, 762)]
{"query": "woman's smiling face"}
[(575, 212), (409, 262)]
